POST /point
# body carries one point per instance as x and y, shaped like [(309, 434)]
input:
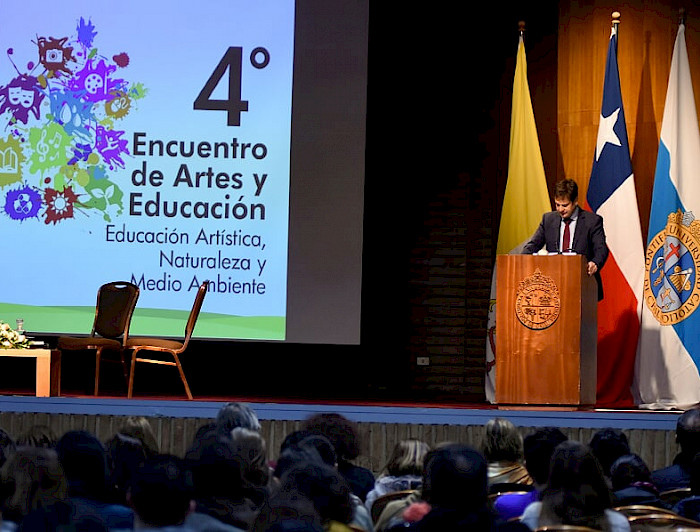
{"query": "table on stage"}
[(48, 368)]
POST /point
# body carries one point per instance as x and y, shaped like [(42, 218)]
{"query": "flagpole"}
[(616, 27)]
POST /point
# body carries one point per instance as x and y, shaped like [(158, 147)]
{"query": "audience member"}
[(403, 471), (292, 455), (538, 447), (206, 433), (503, 450), (124, 456), (161, 494), (249, 446), (677, 475), (608, 445), (576, 493), (225, 483), (302, 447), (320, 443), (220, 491), (631, 483), (326, 488), (690, 506), (140, 428), (287, 511), (233, 415), (84, 462), (345, 437), (31, 478), (454, 494)]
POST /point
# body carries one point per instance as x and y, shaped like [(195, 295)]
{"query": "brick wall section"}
[(450, 265)]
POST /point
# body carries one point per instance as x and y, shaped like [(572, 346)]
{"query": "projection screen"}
[(167, 144)]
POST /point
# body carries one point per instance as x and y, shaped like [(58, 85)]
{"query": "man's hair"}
[(84, 462), (609, 444), (566, 188), (538, 448), (688, 431), (455, 477), (162, 491)]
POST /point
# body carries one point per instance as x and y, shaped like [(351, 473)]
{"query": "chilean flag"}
[(611, 194)]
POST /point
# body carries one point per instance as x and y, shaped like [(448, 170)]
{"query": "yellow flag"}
[(526, 198)]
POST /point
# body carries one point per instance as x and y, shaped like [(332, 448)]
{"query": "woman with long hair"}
[(503, 449), (576, 493), (403, 470)]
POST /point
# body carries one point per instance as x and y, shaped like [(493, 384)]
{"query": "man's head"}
[(161, 494), (216, 471), (565, 197), (84, 461), (538, 447), (609, 444), (454, 476), (688, 431)]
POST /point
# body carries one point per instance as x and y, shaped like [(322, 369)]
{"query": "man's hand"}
[(592, 268)]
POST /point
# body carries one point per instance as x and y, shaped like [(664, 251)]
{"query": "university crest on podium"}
[(537, 301), (671, 287)]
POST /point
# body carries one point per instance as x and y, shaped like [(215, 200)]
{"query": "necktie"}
[(566, 242)]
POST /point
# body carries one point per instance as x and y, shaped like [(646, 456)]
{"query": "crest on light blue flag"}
[(671, 284)]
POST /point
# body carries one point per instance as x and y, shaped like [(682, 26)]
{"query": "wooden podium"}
[(546, 330)]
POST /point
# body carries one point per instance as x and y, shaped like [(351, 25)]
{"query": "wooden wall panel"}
[(174, 435), (647, 32)]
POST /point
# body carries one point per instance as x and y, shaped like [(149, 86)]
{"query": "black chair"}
[(116, 302)]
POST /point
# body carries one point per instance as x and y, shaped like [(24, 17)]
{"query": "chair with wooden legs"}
[(169, 347)]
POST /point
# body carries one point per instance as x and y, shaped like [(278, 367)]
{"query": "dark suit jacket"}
[(672, 477), (589, 239)]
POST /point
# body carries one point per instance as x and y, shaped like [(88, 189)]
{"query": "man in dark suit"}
[(571, 229), (677, 475)]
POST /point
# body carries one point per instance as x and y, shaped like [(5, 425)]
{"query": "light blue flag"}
[(669, 349)]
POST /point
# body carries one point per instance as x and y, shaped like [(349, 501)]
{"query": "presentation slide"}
[(147, 142)]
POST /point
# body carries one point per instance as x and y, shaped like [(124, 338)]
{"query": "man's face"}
[(565, 207)]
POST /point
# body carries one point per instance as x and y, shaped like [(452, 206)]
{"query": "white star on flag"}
[(606, 133)]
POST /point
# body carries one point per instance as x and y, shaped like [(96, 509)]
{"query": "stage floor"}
[(362, 412)]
